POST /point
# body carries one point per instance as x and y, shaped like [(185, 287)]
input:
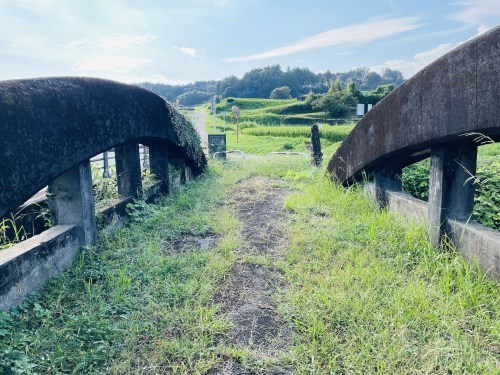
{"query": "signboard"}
[(216, 143), (360, 110)]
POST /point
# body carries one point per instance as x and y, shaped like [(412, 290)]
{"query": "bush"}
[(415, 181), (282, 92)]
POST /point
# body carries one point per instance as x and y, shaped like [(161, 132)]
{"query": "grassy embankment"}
[(275, 125), (363, 293)]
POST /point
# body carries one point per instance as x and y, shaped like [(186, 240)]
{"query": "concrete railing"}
[(51, 128), (434, 114)]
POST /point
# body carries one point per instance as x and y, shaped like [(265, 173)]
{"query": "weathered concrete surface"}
[(128, 170), (407, 207), (451, 187), (457, 94), (159, 166), (26, 267), (49, 125), (473, 240), (387, 179), (71, 202), (477, 243)]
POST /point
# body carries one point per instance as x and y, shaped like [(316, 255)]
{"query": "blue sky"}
[(181, 41)]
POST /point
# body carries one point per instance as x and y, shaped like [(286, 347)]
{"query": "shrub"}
[(415, 181), (282, 92)]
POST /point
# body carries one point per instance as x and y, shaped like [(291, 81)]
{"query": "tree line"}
[(260, 82)]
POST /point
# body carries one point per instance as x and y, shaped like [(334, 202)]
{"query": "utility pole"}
[(214, 114)]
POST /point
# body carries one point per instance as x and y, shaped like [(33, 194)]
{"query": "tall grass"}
[(370, 296), (364, 294), (331, 133)]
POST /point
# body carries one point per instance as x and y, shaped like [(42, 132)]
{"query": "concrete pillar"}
[(451, 188), (180, 164), (188, 173), (159, 165), (71, 202), (384, 180), (128, 170)]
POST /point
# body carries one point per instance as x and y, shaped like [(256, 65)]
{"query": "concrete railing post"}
[(451, 186), (180, 164), (128, 170), (387, 179), (159, 165), (317, 155), (71, 202)]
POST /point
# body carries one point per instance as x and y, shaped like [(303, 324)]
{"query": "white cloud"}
[(354, 34), (420, 60), (188, 51), (114, 42), (481, 14), (110, 64)]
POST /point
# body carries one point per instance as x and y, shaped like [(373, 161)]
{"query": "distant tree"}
[(335, 86), (374, 96), (282, 92), (336, 104), (392, 76), (259, 82), (371, 80), (351, 88), (311, 97), (193, 97)]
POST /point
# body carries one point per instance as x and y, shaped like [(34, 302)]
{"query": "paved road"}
[(199, 123)]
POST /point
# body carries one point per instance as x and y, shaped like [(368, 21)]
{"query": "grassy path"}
[(259, 336), (259, 270)]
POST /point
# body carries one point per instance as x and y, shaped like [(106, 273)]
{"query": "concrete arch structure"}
[(49, 130), (439, 112), (50, 125), (457, 94)]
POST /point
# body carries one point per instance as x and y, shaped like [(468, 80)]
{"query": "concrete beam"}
[(27, 266), (476, 242), (128, 170), (71, 202), (451, 186)]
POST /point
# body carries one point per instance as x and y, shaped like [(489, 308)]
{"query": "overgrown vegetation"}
[(363, 294), (188, 137), (487, 182), (368, 295)]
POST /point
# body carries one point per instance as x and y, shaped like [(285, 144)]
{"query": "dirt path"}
[(247, 298)]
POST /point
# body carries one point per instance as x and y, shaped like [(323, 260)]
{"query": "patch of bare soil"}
[(187, 242), (247, 297)]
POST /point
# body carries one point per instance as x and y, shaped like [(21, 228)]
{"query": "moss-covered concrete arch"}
[(49, 125)]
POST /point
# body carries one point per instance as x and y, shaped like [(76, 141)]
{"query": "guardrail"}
[(51, 128), (435, 113)]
